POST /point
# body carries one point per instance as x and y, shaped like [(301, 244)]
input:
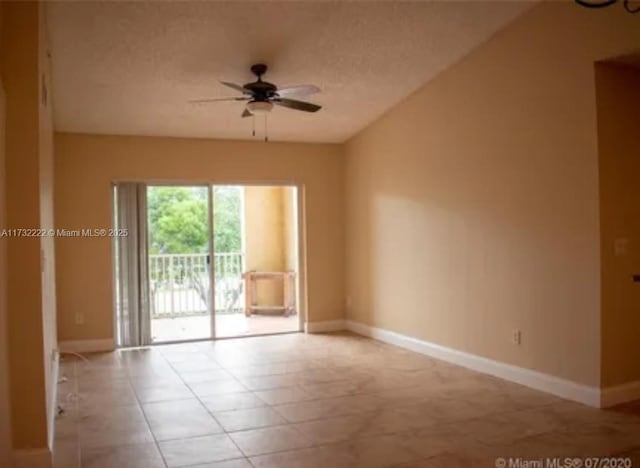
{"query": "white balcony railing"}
[(179, 284)]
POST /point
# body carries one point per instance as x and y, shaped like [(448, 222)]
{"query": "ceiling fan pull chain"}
[(253, 122), (266, 131)]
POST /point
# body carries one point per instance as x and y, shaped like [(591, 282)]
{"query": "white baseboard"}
[(325, 326), (612, 396), (87, 346), (53, 406), (32, 458), (530, 378)]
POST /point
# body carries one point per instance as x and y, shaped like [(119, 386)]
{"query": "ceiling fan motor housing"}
[(260, 90)]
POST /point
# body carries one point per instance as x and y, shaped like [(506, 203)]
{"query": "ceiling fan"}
[(260, 96), (628, 4)]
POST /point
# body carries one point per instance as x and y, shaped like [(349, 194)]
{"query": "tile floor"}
[(227, 325), (335, 400)]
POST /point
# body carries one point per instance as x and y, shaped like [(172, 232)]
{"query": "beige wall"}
[(618, 98), (31, 307), (85, 166), (473, 205), (270, 234), (5, 423), (289, 227), (264, 236)]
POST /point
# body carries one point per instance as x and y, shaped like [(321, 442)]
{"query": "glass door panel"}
[(228, 244), (179, 256)]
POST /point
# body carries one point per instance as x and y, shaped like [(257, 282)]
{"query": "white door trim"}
[(301, 252)]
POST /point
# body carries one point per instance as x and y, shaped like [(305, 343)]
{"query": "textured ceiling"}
[(130, 68)]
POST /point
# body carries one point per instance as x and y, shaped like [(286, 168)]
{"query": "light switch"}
[(620, 246)]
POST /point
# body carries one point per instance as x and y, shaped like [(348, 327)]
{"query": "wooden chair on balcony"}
[(288, 283)]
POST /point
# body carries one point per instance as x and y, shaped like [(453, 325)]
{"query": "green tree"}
[(178, 219), (226, 219)]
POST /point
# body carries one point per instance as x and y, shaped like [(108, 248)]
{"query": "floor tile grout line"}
[(210, 413), (146, 419), (76, 401), (287, 423), (191, 465)]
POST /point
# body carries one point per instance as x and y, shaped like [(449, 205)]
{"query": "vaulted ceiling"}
[(130, 67)]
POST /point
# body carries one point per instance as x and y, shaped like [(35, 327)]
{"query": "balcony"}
[(179, 291)]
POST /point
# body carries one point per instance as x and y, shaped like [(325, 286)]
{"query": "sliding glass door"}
[(179, 249), (205, 261), (229, 260)]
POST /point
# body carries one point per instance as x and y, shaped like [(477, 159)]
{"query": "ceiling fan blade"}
[(203, 101), (297, 105), (298, 90), (246, 113), (235, 86)]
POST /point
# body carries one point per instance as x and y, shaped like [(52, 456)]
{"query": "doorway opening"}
[(206, 261), (256, 291)]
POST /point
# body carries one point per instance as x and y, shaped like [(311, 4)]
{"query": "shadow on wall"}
[(473, 205)]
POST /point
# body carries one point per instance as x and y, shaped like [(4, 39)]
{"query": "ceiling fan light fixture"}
[(259, 107)]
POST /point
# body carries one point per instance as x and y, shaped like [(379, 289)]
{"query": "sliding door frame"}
[(212, 266), (301, 238)]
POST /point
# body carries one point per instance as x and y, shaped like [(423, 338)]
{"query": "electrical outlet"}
[(79, 318), (516, 337), (620, 246)]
